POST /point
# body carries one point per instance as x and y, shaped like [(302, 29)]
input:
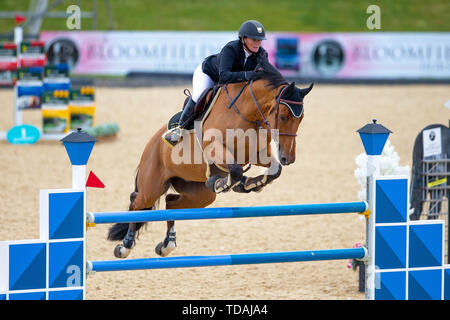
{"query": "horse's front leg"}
[(170, 241), (219, 154), (129, 241), (256, 184), (219, 184)]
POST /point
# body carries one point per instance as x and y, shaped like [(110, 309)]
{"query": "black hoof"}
[(240, 187), (158, 249), (211, 183), (121, 252)]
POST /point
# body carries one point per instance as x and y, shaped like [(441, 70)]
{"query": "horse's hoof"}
[(217, 184), (257, 189), (121, 252), (158, 248), (240, 188), (165, 251), (211, 182)]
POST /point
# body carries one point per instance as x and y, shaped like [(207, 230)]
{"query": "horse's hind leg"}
[(191, 195), (129, 238), (170, 241), (142, 200)]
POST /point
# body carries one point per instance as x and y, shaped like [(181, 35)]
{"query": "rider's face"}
[(252, 44)]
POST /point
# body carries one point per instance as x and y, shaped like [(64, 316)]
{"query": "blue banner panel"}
[(390, 285), (391, 201), (66, 215), (425, 245), (66, 267), (27, 266), (425, 285), (390, 247), (446, 284), (27, 296), (66, 295)]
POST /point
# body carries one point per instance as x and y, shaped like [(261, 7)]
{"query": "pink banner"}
[(362, 55), (380, 55)]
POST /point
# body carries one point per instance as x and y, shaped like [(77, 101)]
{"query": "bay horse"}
[(266, 104)]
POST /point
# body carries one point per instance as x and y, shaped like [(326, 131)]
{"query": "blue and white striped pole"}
[(223, 213), (224, 260)]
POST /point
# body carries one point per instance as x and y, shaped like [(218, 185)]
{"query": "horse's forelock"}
[(268, 72)]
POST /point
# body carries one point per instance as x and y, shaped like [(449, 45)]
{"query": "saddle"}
[(201, 108)]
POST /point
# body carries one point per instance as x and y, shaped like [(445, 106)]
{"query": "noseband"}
[(276, 107)]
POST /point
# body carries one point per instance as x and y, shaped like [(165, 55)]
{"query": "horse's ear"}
[(305, 91), (290, 89)]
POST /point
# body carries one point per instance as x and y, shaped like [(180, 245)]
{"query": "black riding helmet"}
[(252, 29)]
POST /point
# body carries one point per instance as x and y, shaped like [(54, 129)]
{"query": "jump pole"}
[(226, 260), (224, 213)]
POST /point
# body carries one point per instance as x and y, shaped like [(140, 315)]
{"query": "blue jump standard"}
[(225, 260), (230, 212)]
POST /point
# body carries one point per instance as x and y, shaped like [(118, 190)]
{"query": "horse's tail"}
[(119, 230)]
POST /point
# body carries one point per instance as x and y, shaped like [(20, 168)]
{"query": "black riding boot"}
[(186, 114), (173, 136)]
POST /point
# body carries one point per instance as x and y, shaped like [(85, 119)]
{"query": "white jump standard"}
[(404, 259)]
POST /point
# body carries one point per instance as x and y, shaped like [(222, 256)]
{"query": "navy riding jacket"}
[(227, 66)]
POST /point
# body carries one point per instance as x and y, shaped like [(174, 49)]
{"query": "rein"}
[(233, 103), (258, 123)]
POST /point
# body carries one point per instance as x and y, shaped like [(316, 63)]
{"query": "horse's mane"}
[(268, 72)]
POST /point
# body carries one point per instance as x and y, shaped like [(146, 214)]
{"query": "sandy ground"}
[(323, 172)]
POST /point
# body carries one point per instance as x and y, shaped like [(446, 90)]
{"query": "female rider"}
[(236, 62)]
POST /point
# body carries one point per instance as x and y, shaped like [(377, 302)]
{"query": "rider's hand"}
[(249, 74)]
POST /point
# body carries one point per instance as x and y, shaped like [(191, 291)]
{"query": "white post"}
[(17, 112), (373, 165), (79, 177), (18, 37), (373, 170), (79, 183)]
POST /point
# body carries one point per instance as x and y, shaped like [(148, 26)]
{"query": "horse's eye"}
[(283, 118)]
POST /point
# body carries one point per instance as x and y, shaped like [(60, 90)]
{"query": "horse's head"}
[(286, 116), (287, 112)]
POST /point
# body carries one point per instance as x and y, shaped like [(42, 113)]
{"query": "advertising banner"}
[(381, 55), (120, 53), (362, 55)]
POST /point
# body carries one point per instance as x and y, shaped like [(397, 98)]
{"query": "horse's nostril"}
[(284, 160)]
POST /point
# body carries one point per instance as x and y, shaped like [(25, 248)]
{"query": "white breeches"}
[(200, 82)]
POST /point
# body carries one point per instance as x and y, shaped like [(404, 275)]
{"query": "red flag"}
[(20, 19), (93, 181)]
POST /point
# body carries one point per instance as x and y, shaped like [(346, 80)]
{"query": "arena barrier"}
[(403, 259)]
